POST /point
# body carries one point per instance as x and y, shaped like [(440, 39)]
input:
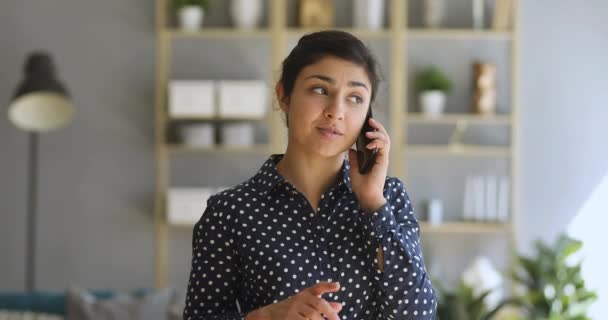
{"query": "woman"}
[(308, 237)]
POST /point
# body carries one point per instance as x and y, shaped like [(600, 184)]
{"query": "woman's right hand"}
[(306, 304)]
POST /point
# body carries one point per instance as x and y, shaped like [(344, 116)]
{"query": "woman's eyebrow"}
[(332, 81)]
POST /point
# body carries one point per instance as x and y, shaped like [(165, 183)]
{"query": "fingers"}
[(380, 140), (323, 287), (377, 125), (337, 306), (321, 306)]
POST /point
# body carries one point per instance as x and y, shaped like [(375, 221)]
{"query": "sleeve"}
[(214, 278), (404, 286)]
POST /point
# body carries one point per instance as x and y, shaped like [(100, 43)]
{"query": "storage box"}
[(242, 98), (197, 134), (237, 134), (192, 98), (185, 206)]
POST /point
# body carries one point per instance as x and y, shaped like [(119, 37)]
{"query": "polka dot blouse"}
[(261, 242)]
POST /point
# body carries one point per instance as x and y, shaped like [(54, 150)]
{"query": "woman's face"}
[(327, 106)]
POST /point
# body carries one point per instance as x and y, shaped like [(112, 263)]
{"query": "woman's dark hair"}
[(315, 46)]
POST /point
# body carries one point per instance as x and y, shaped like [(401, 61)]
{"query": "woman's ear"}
[(283, 101)]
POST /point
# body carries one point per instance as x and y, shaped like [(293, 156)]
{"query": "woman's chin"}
[(330, 151)]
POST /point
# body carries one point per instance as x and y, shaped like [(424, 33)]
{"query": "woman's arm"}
[(214, 277), (405, 286)]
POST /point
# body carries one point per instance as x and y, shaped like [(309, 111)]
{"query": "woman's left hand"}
[(369, 187)]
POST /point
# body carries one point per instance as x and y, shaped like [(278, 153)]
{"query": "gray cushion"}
[(82, 305)]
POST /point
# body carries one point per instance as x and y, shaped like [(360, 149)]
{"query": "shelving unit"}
[(398, 37)]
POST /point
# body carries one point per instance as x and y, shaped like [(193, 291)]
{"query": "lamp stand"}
[(32, 197)]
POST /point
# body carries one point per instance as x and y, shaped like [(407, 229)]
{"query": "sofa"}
[(81, 304)]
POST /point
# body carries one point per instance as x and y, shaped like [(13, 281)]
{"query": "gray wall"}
[(96, 175)]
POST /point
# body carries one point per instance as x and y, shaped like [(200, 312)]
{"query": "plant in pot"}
[(432, 85), (478, 294), (190, 13), (552, 285)]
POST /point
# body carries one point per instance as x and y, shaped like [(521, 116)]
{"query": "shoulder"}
[(237, 198)]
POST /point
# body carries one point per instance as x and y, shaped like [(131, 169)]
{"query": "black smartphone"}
[(366, 157)]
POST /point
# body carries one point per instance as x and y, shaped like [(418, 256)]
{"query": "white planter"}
[(199, 135), (368, 14), (190, 17), (433, 13), (432, 102), (246, 14)]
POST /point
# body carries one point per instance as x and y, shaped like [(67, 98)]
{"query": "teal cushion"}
[(44, 302)]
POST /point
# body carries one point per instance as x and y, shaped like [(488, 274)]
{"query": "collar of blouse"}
[(268, 177)]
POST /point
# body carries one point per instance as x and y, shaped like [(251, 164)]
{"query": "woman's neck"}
[(310, 174)]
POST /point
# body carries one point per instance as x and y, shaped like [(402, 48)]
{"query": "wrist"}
[(257, 314), (372, 205)]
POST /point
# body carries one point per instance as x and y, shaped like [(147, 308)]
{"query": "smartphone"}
[(366, 157)]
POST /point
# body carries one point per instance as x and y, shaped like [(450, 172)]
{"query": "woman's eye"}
[(319, 90), (356, 99)]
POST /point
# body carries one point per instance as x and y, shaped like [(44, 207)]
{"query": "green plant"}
[(432, 78), (554, 288), (463, 304), (204, 4)]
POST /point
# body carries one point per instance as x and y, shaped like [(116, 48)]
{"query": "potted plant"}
[(246, 14), (553, 287), (190, 13), (477, 296), (432, 86)]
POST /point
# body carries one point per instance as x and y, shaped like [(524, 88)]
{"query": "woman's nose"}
[(335, 110)]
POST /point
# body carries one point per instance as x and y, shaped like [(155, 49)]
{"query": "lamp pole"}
[(32, 208), (40, 104)]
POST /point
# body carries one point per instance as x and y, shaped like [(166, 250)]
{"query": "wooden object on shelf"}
[(484, 88), (316, 13), (503, 14)]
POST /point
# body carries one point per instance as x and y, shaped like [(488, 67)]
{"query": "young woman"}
[(308, 236)]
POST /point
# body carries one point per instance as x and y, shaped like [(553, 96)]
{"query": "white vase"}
[(191, 17), (433, 13), (368, 14), (246, 14), (432, 102), (435, 211)]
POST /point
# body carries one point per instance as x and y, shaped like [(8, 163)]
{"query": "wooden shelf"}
[(362, 33), (176, 148), (485, 34), (218, 33), (454, 118), (464, 150), (279, 36), (216, 118), (466, 228)]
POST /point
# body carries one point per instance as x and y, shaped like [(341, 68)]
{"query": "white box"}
[(197, 134), (239, 134), (185, 206), (192, 98), (242, 98)]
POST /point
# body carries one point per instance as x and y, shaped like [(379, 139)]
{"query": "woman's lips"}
[(328, 133)]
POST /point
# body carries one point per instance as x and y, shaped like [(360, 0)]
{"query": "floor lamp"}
[(40, 104)]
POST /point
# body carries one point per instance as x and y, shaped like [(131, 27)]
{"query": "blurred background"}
[(497, 110)]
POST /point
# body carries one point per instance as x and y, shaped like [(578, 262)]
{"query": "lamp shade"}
[(41, 102)]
